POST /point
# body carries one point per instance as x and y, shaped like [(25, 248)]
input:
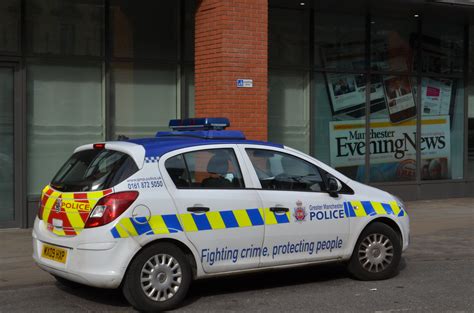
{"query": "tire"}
[(377, 253), (68, 283), (171, 282)]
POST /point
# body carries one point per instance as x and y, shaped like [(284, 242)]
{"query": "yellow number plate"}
[(54, 253)]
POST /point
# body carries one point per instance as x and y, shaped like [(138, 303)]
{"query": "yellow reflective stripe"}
[(49, 204), (121, 231), (289, 216), (395, 208), (157, 224), (59, 232), (75, 219), (188, 222), (270, 218), (127, 224), (242, 218), (215, 219), (95, 195), (358, 208), (378, 208), (45, 189), (68, 196)]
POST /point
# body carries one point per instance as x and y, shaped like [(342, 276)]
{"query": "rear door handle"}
[(198, 209), (279, 210)]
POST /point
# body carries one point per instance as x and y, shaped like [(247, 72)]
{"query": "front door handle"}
[(198, 209), (279, 210)]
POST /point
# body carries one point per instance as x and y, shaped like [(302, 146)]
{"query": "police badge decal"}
[(299, 212), (58, 205)]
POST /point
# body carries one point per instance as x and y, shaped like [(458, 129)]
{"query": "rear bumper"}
[(94, 258)]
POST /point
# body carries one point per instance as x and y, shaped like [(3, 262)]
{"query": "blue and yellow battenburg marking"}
[(190, 222)]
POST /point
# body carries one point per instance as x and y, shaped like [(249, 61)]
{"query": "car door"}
[(220, 216), (302, 221)]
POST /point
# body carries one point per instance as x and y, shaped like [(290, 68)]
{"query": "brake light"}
[(40, 209), (99, 146), (110, 207)]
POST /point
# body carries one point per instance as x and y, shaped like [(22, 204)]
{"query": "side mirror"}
[(334, 186)]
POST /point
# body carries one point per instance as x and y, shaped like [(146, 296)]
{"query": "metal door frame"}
[(19, 162)]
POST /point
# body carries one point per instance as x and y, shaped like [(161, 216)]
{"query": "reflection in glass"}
[(288, 110), (470, 125), (288, 37), (6, 146), (339, 135), (144, 29), (145, 99), (442, 128), (64, 111), (64, 27), (442, 48), (9, 25), (339, 41), (392, 43)]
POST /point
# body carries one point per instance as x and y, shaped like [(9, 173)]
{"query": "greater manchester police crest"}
[(299, 212)]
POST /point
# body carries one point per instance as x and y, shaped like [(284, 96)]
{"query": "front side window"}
[(281, 171), (211, 169)]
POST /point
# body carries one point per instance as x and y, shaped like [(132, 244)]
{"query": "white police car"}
[(150, 215)]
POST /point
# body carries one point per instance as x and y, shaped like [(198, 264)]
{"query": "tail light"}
[(40, 209), (110, 207)]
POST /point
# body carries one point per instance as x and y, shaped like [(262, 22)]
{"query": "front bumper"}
[(94, 257)]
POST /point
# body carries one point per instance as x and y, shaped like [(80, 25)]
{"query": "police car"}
[(151, 215)]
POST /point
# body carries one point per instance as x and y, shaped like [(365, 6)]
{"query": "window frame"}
[(240, 164)]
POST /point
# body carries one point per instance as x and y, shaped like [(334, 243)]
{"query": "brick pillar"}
[(231, 43)]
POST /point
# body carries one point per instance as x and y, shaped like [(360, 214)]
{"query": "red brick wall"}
[(231, 43)]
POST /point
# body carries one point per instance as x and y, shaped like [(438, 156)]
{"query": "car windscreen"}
[(93, 170)]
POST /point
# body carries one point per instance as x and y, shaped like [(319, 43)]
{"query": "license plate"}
[(54, 253)]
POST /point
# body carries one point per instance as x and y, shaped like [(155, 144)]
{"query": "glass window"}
[(393, 131), (442, 128), (64, 27), (144, 29), (442, 48), (145, 99), (64, 111), (91, 170), (9, 26), (177, 170), (6, 146), (288, 37), (281, 171), (392, 44), (339, 41), (189, 22), (288, 109), (470, 125), (213, 168), (338, 115), (189, 91)]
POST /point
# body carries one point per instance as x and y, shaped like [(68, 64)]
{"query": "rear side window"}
[(211, 169), (92, 170)]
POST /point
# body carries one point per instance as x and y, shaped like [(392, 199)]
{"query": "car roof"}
[(158, 146)]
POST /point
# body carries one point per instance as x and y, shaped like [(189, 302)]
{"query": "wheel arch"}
[(182, 246)]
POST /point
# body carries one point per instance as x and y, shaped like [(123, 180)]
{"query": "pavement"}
[(437, 275)]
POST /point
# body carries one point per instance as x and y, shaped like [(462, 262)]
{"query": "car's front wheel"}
[(158, 278), (377, 253)]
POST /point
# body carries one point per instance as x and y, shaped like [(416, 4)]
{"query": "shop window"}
[(64, 27), (288, 109), (470, 125), (144, 99), (144, 29), (442, 128), (393, 129), (288, 37), (339, 121), (65, 110), (339, 41), (442, 48), (392, 44), (189, 91), (9, 26)]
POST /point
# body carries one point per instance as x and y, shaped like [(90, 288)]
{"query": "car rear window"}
[(92, 170)]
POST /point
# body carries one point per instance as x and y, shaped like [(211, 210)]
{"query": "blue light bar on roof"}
[(200, 123)]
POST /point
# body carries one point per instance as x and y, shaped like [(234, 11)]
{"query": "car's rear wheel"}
[(377, 253), (158, 278)]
